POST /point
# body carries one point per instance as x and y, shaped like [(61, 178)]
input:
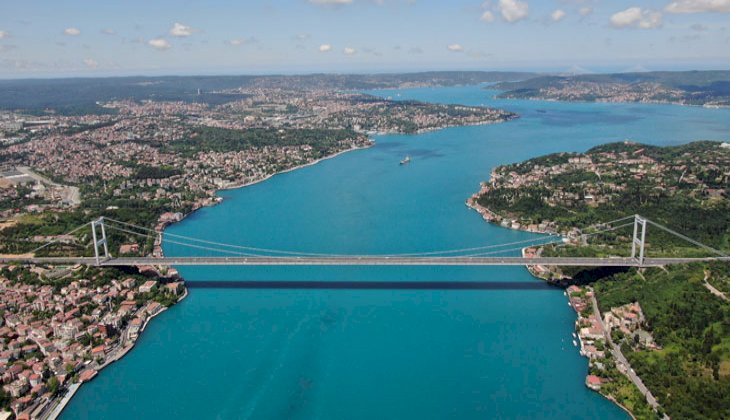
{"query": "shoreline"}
[(513, 116), (123, 351), (530, 269), (552, 100), (443, 127), (73, 389), (217, 199), (621, 406), (58, 409), (491, 217), (294, 168), (370, 135)]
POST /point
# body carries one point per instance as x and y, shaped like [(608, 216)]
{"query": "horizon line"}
[(349, 73)]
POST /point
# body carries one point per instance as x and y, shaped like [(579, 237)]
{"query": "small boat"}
[(406, 161), (575, 343)]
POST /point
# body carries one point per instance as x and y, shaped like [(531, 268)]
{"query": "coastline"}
[(162, 225), (294, 168), (73, 389), (492, 217), (532, 270), (535, 271), (218, 199), (66, 398), (370, 134), (58, 408), (621, 406), (705, 106), (513, 116)]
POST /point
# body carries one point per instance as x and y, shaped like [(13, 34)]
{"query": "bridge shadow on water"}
[(368, 285)]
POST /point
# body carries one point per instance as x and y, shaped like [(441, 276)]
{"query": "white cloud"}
[(585, 11), (71, 31), (325, 48), (651, 20), (513, 10), (4, 34), (557, 15), (699, 6), (159, 44), (91, 63), (180, 30), (349, 51), (455, 48), (487, 17), (108, 31), (636, 17), (330, 2)]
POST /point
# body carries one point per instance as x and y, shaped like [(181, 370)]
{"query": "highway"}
[(360, 261)]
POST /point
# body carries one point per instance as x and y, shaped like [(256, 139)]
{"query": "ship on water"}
[(406, 161)]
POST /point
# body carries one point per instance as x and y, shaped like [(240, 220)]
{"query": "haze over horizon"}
[(82, 38)]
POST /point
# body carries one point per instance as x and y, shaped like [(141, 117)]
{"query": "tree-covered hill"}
[(685, 187), (687, 308)]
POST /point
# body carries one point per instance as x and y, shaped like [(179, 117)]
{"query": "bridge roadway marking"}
[(364, 261)]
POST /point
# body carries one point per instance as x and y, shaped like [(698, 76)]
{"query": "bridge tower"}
[(639, 239), (97, 242)]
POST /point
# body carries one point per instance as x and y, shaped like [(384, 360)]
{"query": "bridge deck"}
[(364, 261)]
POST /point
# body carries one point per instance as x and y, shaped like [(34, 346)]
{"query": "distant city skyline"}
[(84, 38)]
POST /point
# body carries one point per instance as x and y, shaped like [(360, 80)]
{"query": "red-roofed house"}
[(594, 382)]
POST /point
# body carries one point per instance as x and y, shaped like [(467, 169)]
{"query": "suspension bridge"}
[(488, 255)]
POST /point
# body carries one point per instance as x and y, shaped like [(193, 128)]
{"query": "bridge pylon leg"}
[(639, 239), (99, 242)]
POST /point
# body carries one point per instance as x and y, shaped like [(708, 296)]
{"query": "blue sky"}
[(118, 37)]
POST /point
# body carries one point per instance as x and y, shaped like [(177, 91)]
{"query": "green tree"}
[(53, 385)]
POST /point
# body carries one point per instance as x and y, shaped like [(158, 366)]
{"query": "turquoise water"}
[(361, 354)]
